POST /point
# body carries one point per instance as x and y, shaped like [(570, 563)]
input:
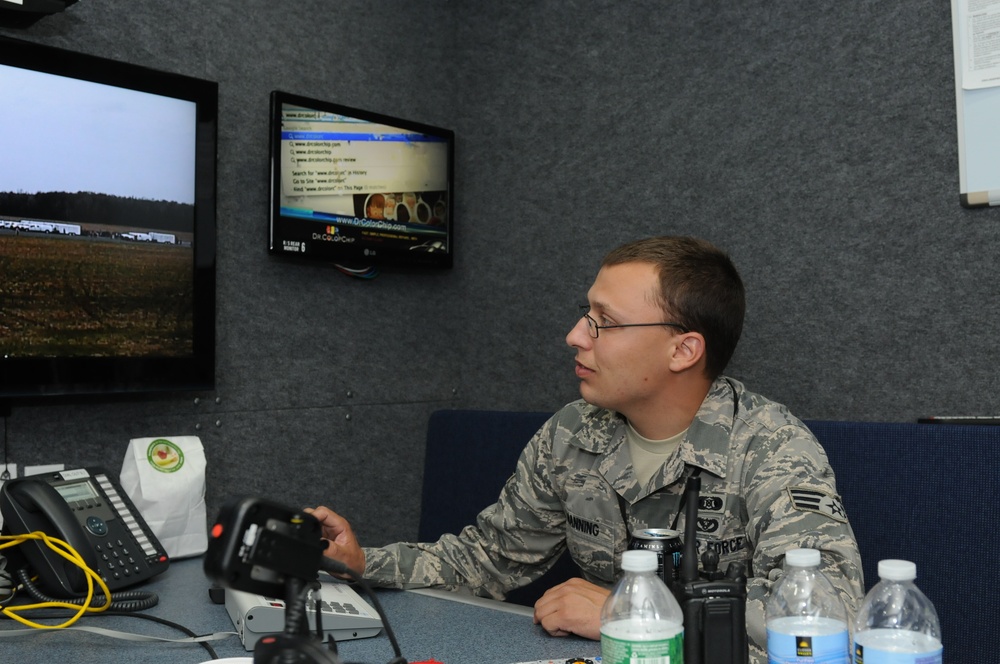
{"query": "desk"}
[(426, 626)]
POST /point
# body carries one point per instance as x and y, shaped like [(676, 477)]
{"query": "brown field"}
[(86, 297)]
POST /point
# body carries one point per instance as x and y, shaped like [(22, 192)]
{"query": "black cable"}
[(6, 582), (296, 619), (318, 615), (331, 645), (337, 567), (169, 623), (132, 600)]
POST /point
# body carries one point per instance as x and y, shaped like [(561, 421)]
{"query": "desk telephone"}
[(89, 511)]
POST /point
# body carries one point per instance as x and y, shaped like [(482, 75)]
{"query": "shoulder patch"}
[(810, 499)]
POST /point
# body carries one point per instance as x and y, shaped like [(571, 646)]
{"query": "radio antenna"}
[(689, 556)]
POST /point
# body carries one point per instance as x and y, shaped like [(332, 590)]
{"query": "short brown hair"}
[(700, 288)]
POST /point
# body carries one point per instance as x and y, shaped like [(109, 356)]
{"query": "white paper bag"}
[(165, 478)]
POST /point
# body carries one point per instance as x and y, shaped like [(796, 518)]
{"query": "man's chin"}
[(590, 396)]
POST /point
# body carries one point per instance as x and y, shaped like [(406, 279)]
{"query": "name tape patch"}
[(809, 499)]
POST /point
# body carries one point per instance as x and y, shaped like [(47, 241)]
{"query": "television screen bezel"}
[(355, 254), (32, 378)]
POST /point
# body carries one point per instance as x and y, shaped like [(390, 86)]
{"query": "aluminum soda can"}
[(667, 545)]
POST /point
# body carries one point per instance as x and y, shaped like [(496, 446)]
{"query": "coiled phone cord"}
[(129, 600)]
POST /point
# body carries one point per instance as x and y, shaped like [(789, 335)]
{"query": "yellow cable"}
[(69, 553)]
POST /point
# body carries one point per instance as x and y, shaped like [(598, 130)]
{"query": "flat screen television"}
[(359, 188), (107, 226)]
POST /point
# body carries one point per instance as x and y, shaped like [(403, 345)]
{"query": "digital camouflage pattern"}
[(766, 487)]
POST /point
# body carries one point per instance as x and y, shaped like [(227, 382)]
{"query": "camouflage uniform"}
[(766, 487)]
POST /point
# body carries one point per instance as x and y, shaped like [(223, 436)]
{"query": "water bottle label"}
[(660, 651), (792, 649), (873, 656)]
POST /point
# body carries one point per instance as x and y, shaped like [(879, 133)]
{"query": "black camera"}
[(261, 547), (713, 602), (258, 546), (265, 548)]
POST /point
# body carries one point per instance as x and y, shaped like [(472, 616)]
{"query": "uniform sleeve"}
[(513, 542), (792, 502)]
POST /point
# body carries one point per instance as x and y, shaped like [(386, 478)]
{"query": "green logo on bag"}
[(165, 456)]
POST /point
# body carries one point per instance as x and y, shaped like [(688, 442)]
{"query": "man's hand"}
[(573, 607), (343, 544)]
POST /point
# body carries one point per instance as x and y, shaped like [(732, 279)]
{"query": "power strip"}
[(345, 615)]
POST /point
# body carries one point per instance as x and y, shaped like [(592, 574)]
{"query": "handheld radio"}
[(713, 602)]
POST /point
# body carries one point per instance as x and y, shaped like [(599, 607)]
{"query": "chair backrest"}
[(470, 455), (928, 493)]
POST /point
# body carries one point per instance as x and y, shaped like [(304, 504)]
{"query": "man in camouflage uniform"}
[(663, 320)]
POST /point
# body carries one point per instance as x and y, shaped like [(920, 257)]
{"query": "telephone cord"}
[(124, 601)]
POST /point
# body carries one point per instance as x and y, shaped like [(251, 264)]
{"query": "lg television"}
[(359, 188), (107, 226)]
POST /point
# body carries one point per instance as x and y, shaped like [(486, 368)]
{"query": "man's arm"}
[(792, 502), (513, 542)]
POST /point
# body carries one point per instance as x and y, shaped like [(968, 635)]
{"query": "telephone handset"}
[(87, 510)]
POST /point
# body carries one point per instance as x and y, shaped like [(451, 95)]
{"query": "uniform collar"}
[(707, 442), (706, 445)]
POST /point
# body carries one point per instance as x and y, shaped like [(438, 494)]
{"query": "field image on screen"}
[(353, 187), (96, 219)]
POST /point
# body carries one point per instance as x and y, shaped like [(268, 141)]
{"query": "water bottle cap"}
[(802, 557), (639, 561), (897, 570)]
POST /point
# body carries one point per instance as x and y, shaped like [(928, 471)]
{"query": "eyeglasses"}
[(595, 329)]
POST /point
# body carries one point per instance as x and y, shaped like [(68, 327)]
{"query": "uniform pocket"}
[(591, 543)]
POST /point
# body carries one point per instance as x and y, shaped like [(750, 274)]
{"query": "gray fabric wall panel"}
[(360, 460), (816, 143)]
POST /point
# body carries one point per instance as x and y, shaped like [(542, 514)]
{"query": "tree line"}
[(94, 208)]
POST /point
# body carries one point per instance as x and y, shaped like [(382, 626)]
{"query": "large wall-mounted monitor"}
[(359, 188), (107, 226)]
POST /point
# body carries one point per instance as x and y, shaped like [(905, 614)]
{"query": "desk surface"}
[(426, 627)]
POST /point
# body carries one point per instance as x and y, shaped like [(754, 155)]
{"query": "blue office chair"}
[(470, 454)]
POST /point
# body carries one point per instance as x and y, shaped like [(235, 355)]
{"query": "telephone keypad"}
[(116, 560)]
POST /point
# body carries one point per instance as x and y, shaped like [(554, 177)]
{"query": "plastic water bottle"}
[(805, 617), (641, 620), (897, 624)]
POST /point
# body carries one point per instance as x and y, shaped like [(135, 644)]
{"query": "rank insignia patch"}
[(809, 499)]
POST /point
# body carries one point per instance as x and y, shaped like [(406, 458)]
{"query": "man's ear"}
[(688, 351)]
